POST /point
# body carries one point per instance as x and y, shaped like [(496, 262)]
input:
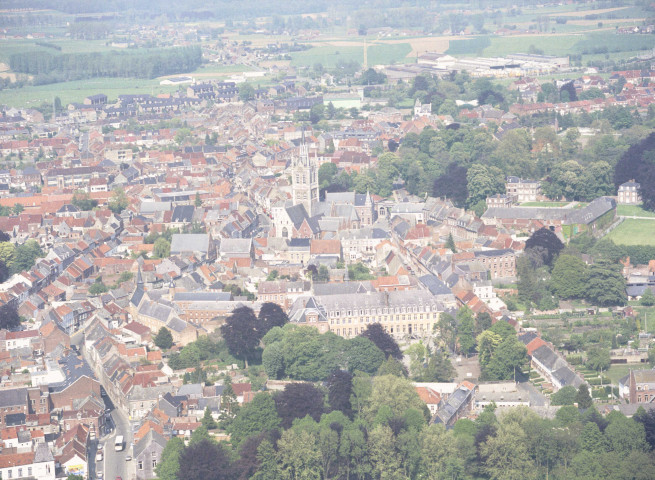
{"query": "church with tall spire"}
[(304, 179)]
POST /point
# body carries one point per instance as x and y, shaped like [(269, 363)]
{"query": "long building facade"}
[(399, 312)]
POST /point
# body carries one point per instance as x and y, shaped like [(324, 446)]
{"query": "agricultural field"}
[(10, 47), (633, 211), (32, 96), (329, 55), (576, 41), (634, 232)]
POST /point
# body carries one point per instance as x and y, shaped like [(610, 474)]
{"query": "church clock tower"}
[(304, 175)]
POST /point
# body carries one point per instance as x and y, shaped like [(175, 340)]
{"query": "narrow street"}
[(114, 463)]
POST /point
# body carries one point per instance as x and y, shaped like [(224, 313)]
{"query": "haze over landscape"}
[(327, 240)]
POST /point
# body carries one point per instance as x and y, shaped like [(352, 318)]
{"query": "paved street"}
[(114, 464)]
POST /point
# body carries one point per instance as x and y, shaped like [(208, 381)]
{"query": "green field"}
[(618, 371), (572, 39), (634, 232), (11, 47), (544, 204), (328, 56), (31, 96), (633, 211)]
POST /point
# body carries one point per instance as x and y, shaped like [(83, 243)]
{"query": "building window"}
[(154, 463), (140, 465)]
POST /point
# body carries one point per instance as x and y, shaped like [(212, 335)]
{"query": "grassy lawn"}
[(633, 211), (634, 232), (616, 372), (68, 92), (544, 204)]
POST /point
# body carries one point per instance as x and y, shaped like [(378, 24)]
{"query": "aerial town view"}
[(327, 240)]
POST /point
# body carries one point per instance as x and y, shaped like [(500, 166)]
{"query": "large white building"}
[(348, 315), (628, 193)]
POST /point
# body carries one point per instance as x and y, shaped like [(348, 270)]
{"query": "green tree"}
[(246, 92), (255, 417), (363, 355), (118, 201), (465, 337), (583, 398), (506, 455), (439, 454), (299, 456), (395, 393), (482, 182), (164, 338), (647, 299), (605, 285), (598, 358), (268, 465), (564, 396), (7, 253), (567, 280), (450, 243), (199, 435), (625, 435), (161, 248), (169, 464), (384, 458), (509, 356), (326, 174), (487, 341), (198, 201), (207, 420), (98, 288), (241, 333)]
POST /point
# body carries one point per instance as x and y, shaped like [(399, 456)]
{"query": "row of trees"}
[(50, 67), (545, 275), (303, 353), (359, 427)]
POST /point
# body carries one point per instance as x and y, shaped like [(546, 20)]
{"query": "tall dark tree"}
[(482, 322), (605, 285), (4, 237), (205, 460), (647, 419), (4, 271), (546, 239), (164, 338), (376, 334), (583, 398), (452, 184), (9, 317), (638, 163), (241, 333), (271, 315), (298, 400), (248, 464), (340, 387)]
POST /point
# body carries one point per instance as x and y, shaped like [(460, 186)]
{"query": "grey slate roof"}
[(190, 242), (202, 297), (567, 216), (183, 213), (434, 285), (150, 437), (14, 397)]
